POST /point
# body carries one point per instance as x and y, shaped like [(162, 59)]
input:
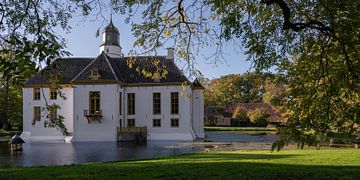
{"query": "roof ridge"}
[(141, 56), (75, 77), (76, 58), (116, 68), (111, 68), (177, 68)]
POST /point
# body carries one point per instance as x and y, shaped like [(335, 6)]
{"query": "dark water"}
[(59, 153)]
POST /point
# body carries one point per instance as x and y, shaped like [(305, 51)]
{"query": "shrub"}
[(258, 117), (239, 117)]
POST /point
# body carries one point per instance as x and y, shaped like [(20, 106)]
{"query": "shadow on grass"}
[(196, 166), (235, 156), (226, 170)]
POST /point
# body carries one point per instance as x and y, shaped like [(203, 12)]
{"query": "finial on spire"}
[(111, 17), (111, 11)]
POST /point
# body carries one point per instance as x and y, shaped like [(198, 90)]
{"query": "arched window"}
[(94, 105)]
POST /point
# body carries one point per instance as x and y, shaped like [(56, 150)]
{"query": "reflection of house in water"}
[(274, 119), (213, 117)]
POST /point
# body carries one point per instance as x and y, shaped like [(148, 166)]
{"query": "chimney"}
[(170, 53)]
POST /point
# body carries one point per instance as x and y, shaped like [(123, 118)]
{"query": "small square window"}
[(156, 122), (174, 122), (95, 74), (131, 122)]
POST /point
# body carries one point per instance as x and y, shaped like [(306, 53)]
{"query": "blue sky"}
[(82, 42)]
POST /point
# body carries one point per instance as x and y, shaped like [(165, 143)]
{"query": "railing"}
[(132, 129), (96, 114), (135, 134), (93, 116)]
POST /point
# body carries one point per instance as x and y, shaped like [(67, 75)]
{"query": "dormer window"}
[(95, 72), (95, 75)]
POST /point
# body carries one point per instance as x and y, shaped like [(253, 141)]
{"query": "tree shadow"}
[(211, 165), (233, 156)]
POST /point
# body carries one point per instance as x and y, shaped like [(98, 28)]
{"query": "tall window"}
[(94, 105), (52, 114), (131, 122), (131, 103), (120, 103), (36, 114), (174, 103), (174, 123), (156, 122), (36, 93), (53, 94), (156, 103)]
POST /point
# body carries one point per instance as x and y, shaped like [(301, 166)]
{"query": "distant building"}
[(213, 117), (104, 94), (274, 119)]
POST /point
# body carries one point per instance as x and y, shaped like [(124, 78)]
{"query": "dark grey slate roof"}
[(134, 75), (79, 69), (112, 35), (197, 84), (102, 64), (211, 112), (66, 68), (16, 139), (111, 27)]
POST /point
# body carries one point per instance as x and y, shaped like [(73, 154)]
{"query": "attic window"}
[(95, 75)]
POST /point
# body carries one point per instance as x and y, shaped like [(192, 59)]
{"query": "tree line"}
[(249, 87)]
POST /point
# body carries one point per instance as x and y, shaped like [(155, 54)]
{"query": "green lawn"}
[(287, 164), (218, 128)]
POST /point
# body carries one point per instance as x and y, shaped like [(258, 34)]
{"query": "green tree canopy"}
[(258, 117), (244, 88)]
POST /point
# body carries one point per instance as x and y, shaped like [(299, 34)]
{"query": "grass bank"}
[(6, 135), (289, 164), (219, 128)]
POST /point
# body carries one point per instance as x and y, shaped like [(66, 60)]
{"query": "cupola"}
[(110, 43)]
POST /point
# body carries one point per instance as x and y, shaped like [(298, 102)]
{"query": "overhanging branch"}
[(312, 24)]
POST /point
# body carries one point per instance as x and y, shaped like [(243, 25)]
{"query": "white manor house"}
[(105, 94)]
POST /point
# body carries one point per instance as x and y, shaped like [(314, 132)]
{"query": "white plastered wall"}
[(95, 131), (38, 132), (198, 113), (144, 112)]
